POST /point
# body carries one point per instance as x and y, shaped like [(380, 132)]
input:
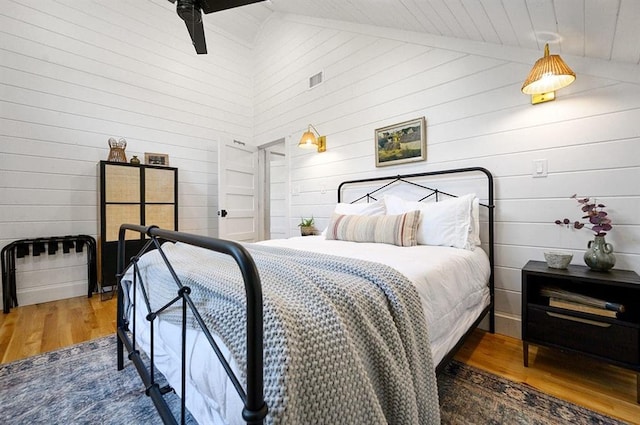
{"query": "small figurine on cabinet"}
[(116, 151)]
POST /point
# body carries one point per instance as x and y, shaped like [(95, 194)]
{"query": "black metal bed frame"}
[(435, 193), (255, 409)]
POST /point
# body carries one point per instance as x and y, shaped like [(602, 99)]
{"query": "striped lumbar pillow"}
[(392, 229)]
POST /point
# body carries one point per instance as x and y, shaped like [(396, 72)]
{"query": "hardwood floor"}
[(35, 329)]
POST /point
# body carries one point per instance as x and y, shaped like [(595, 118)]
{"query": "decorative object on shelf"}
[(599, 255), (548, 74), (400, 143), (306, 227), (558, 259), (310, 141), (116, 150), (156, 159), (135, 160)]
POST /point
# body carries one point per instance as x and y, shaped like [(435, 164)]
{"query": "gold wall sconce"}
[(548, 74), (310, 141)]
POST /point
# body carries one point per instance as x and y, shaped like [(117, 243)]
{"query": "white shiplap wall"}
[(470, 95), (73, 74)]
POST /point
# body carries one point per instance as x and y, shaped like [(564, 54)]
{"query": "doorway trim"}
[(264, 186)]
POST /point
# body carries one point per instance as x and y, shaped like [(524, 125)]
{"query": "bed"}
[(355, 322)]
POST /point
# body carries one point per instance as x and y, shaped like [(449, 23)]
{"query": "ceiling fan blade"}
[(189, 12), (196, 31), (210, 6)]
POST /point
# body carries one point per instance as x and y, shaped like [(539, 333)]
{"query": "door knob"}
[(222, 213)]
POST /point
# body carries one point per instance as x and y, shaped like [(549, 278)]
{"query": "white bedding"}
[(451, 282)]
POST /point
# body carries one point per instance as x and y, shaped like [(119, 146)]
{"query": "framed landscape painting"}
[(400, 143)]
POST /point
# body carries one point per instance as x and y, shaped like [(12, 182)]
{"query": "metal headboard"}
[(388, 181)]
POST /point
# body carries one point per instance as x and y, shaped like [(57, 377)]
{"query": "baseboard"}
[(509, 325), (48, 293)]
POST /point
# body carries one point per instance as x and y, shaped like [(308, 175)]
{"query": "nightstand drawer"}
[(614, 341)]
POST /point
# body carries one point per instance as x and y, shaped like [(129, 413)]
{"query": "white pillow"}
[(474, 231), (362, 208), (446, 223), (369, 209), (394, 204)]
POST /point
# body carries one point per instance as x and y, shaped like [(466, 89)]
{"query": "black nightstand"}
[(615, 340)]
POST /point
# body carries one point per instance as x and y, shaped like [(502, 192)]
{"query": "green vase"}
[(599, 256)]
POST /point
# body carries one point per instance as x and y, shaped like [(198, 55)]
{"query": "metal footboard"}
[(255, 408)]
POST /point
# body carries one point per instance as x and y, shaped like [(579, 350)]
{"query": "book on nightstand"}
[(583, 308), (580, 299)]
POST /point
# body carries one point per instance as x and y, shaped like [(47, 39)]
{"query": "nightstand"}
[(615, 340)]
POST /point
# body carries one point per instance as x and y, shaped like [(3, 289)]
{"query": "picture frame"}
[(401, 143), (161, 159)]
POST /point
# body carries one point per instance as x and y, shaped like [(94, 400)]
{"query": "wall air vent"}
[(316, 79)]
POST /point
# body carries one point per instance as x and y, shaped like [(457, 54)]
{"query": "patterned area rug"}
[(472, 396), (77, 385), (80, 385)]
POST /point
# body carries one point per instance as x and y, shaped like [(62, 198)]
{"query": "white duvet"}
[(451, 282)]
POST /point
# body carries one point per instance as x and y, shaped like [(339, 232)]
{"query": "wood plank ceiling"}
[(602, 29)]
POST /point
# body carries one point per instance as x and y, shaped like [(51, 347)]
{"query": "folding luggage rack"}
[(20, 249)]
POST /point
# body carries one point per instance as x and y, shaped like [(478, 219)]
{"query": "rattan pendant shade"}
[(549, 74)]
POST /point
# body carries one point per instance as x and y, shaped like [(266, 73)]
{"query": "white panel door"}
[(237, 191)]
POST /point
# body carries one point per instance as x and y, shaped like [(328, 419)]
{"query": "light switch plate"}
[(539, 168)]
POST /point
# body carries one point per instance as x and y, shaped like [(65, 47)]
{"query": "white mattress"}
[(451, 282)]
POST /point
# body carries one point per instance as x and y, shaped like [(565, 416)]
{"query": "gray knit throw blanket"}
[(345, 341)]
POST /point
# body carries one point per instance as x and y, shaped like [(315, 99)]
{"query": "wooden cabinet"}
[(611, 337), (134, 194)]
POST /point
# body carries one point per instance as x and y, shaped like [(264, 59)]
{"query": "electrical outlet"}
[(539, 168)]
